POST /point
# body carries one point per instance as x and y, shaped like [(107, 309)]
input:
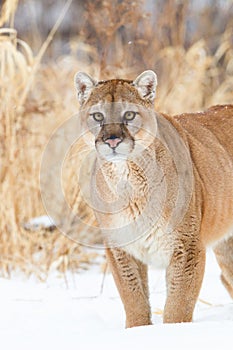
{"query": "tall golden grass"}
[(36, 97)]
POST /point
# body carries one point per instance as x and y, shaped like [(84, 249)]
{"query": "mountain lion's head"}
[(117, 115)]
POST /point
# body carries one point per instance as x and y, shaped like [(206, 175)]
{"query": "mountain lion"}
[(162, 191)]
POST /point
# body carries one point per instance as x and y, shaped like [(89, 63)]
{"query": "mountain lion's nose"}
[(113, 141)]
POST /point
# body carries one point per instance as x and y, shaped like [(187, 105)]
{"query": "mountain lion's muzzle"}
[(114, 141)]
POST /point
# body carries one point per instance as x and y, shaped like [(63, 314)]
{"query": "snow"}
[(43, 221), (75, 312)]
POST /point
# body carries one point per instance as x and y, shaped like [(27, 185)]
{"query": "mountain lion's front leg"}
[(184, 278), (130, 276)]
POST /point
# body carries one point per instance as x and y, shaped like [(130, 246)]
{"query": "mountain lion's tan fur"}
[(208, 216)]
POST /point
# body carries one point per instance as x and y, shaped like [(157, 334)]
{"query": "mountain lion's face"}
[(118, 114)]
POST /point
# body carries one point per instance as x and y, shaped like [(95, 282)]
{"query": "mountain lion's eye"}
[(99, 117), (129, 115)]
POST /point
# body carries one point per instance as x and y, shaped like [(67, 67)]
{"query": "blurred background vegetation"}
[(42, 44)]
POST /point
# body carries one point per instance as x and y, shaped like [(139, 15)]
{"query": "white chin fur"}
[(117, 157), (121, 154)]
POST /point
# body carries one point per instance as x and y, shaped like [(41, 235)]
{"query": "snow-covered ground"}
[(77, 313)]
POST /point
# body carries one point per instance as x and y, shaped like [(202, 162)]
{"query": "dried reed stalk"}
[(42, 51), (9, 8)]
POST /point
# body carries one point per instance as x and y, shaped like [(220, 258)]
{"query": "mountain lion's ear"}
[(146, 84), (84, 84)]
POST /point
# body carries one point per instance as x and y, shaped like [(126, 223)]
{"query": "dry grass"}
[(36, 98), (9, 8)]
